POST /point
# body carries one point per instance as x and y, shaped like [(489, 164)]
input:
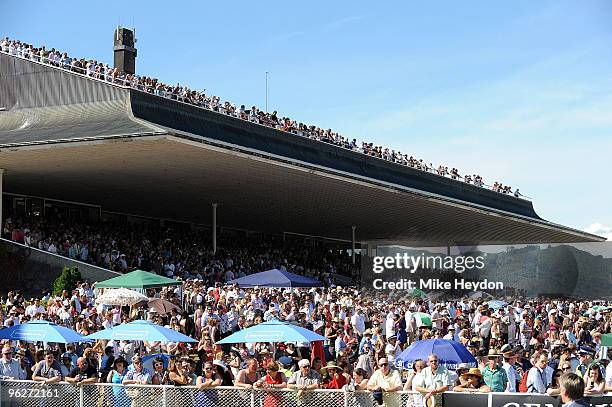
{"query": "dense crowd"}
[(102, 71), (525, 346), (175, 252)]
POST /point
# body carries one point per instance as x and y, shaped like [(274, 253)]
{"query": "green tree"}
[(67, 280)]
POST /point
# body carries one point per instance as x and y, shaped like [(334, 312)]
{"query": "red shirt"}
[(337, 382)]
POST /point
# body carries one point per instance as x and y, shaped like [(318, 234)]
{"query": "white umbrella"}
[(480, 294), (120, 296)]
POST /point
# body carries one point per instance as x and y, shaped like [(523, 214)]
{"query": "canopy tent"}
[(138, 279), (42, 331), (120, 296), (450, 353), (141, 330), (273, 331), (276, 278)]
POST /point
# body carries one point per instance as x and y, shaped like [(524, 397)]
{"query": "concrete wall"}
[(33, 270)]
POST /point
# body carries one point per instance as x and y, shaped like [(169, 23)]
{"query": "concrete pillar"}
[(353, 243), (1, 217), (214, 227)]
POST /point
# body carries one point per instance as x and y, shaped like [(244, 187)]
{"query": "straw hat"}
[(473, 372), (330, 365)]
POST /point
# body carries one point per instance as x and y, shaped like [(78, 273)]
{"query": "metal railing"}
[(26, 393), (228, 109)]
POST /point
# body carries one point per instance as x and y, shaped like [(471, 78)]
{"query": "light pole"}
[(266, 91)]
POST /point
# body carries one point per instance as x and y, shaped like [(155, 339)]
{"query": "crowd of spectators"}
[(175, 252), (529, 345), (102, 71)]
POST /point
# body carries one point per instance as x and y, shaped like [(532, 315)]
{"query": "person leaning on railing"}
[(475, 382), (45, 372), (385, 381), (84, 373), (139, 375), (433, 380), (11, 368), (305, 378)]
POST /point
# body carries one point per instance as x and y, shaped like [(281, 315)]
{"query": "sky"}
[(518, 92)]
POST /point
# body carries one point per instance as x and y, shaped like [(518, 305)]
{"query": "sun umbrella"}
[(42, 331), (418, 293), (599, 308), (120, 296), (141, 330), (422, 319), (450, 353), (273, 331), (147, 361), (480, 294), (497, 304), (606, 340), (162, 306), (276, 278)]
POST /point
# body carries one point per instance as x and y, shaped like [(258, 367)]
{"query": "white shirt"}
[(389, 327), (358, 321), (512, 378)]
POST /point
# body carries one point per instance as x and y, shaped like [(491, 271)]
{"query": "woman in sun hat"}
[(335, 379)]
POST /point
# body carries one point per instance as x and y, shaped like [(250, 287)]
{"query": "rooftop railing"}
[(228, 109)]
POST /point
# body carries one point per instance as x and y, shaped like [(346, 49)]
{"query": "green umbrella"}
[(418, 293), (606, 340), (422, 319), (596, 309)]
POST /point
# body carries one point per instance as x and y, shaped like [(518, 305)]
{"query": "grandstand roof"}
[(64, 136)]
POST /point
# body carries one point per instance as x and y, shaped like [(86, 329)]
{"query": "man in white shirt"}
[(433, 380), (508, 366), (536, 378), (388, 381), (358, 323), (392, 349), (451, 333), (34, 308)]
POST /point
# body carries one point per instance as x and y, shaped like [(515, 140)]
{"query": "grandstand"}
[(65, 136)]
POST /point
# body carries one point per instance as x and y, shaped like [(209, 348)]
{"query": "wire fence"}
[(27, 393)]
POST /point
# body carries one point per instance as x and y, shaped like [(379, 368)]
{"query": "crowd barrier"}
[(26, 393)]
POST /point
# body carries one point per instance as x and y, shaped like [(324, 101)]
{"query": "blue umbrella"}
[(141, 331), (273, 331), (42, 331), (276, 278), (497, 304), (147, 361), (450, 353)]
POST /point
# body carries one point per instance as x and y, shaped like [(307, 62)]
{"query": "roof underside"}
[(67, 137), (169, 177)]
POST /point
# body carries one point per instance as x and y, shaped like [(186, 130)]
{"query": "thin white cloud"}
[(341, 21), (600, 230)]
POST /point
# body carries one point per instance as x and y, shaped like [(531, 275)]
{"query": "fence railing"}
[(26, 393), (226, 109)]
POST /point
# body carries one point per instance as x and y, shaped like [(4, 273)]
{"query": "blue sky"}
[(519, 91)]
